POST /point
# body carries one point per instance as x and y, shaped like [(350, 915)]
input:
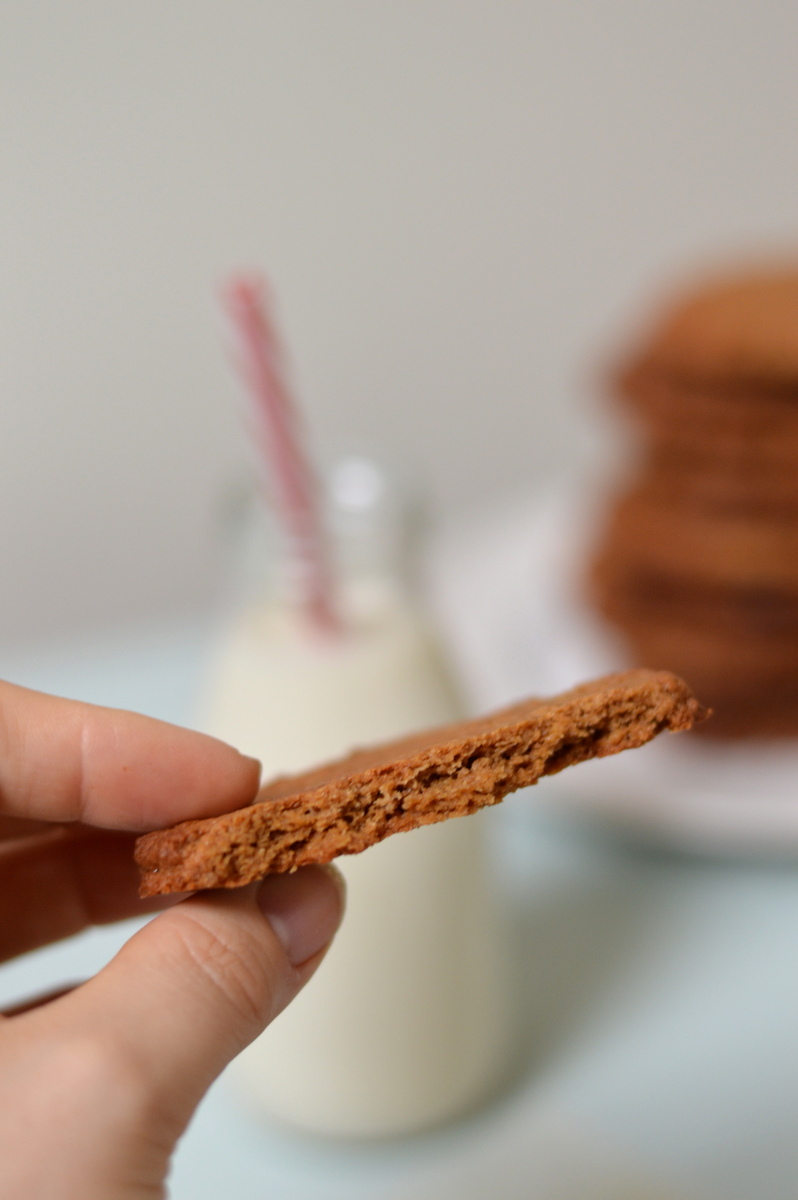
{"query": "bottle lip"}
[(356, 484)]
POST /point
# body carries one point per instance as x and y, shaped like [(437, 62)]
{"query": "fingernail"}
[(303, 909)]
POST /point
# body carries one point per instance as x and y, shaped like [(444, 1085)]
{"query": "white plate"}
[(510, 596)]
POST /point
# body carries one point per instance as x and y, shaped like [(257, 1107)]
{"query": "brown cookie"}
[(698, 566), (729, 450), (753, 715), (714, 661), (349, 805), (737, 327), (663, 399), (735, 429), (696, 474), (628, 592), (736, 550), (748, 696)]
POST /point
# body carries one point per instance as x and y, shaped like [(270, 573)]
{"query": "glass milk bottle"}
[(404, 1025)]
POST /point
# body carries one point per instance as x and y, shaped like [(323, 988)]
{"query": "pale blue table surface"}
[(659, 996)]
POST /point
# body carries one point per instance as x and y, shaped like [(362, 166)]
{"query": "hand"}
[(97, 1085)]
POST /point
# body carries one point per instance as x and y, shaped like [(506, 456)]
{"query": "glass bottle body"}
[(403, 1026)]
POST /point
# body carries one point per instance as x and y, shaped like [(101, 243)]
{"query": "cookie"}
[(627, 591), (661, 397), (753, 716), (698, 566), (695, 473), (736, 427), (714, 661), (728, 449), (735, 550), (749, 696), (742, 326), (349, 805)]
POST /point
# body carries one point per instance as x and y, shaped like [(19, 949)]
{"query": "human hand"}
[(97, 1085)]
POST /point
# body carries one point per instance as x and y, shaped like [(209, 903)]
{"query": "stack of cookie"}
[(698, 566)]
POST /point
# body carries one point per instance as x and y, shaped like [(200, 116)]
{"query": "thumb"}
[(197, 984)]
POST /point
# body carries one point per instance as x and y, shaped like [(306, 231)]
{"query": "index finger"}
[(61, 760)]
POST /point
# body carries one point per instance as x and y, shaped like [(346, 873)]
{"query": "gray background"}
[(462, 204)]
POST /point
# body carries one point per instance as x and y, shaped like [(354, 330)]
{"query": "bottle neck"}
[(372, 532)]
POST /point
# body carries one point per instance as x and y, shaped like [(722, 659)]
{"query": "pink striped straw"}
[(278, 434)]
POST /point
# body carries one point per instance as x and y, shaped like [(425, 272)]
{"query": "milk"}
[(404, 1024), (295, 698)]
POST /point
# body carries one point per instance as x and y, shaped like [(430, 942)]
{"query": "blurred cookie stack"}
[(698, 567)]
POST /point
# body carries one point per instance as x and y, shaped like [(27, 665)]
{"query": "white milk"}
[(404, 1025)]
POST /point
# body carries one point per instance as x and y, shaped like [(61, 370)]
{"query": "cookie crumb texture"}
[(346, 806)]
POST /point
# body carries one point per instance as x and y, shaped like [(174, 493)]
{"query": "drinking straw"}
[(280, 441)]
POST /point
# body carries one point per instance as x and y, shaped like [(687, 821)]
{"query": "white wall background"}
[(459, 201)]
